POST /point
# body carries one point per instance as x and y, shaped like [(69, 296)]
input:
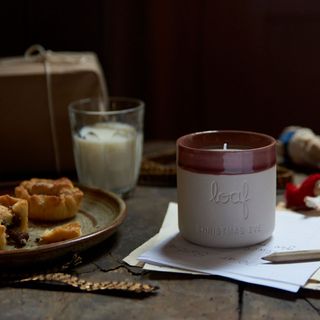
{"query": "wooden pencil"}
[(293, 256)]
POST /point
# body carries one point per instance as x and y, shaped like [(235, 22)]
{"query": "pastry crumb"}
[(64, 232)]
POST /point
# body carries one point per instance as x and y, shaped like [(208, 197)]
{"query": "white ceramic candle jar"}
[(226, 182)]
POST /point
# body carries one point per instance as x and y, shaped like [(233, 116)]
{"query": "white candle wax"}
[(108, 156), (224, 147)]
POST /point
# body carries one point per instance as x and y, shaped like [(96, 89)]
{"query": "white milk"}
[(108, 156)]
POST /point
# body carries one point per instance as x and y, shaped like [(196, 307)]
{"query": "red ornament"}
[(295, 195)]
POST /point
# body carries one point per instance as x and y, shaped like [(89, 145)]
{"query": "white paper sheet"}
[(293, 232), (169, 225)]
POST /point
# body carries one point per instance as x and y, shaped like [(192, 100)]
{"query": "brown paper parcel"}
[(35, 91)]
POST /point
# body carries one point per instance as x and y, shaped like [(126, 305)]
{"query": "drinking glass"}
[(108, 142)]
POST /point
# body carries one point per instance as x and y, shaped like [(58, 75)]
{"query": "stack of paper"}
[(168, 251)]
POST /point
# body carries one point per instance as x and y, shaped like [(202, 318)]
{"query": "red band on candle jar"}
[(226, 152)]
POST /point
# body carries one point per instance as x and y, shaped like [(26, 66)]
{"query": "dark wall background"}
[(198, 64)]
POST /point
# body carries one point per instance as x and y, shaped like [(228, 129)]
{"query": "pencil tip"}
[(267, 258)]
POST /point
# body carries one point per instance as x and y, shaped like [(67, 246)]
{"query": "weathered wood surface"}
[(178, 297)]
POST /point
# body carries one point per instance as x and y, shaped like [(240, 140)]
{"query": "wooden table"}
[(178, 297)]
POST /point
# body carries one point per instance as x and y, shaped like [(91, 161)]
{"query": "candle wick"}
[(225, 146)]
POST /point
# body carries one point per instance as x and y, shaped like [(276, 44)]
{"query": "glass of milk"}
[(108, 142)]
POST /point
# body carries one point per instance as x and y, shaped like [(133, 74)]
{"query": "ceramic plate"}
[(100, 214)]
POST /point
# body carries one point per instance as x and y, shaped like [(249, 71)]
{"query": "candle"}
[(108, 155), (226, 183)]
